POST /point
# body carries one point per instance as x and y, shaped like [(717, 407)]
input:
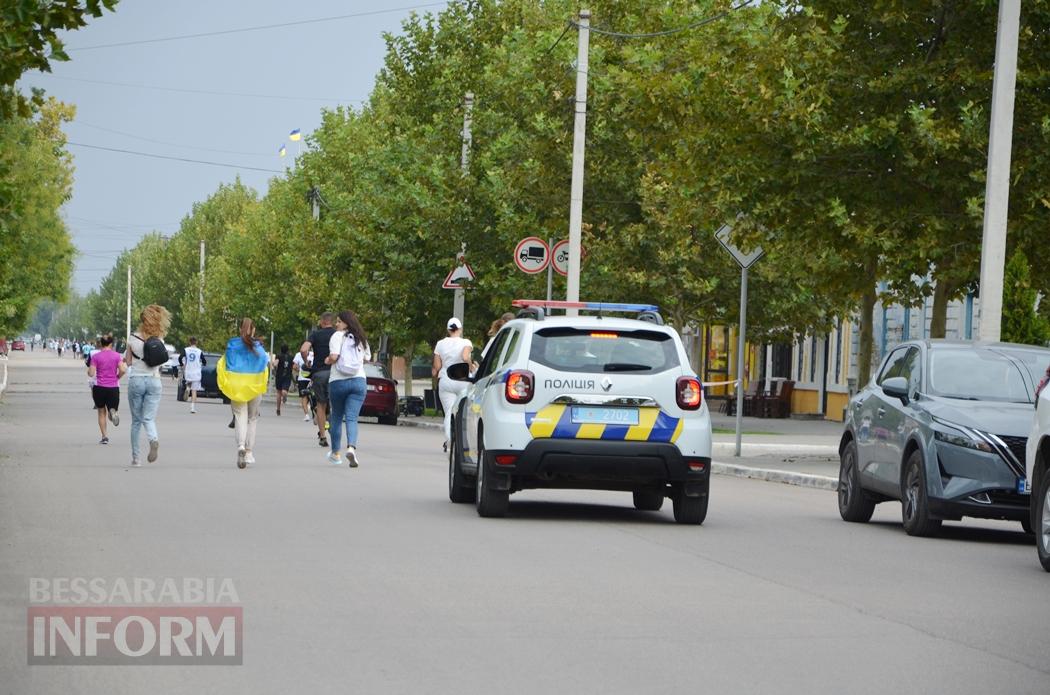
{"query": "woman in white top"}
[(347, 386), (454, 349), (144, 381)]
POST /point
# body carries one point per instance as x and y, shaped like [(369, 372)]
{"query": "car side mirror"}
[(459, 372), (896, 387)]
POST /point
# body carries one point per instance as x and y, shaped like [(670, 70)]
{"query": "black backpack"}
[(154, 352)]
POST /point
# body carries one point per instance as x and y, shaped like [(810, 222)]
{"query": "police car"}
[(587, 402), (1038, 471)]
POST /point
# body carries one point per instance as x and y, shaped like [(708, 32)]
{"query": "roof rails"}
[(534, 309)]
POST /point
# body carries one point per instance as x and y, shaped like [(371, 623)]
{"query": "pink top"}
[(106, 364)]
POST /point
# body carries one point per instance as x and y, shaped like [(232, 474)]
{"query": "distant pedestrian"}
[(243, 373), (454, 349), (106, 367), (144, 386), (282, 375), (302, 380), (320, 370), (193, 361), (347, 386)]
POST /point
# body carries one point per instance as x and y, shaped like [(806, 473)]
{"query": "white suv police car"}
[(1038, 471), (586, 402)]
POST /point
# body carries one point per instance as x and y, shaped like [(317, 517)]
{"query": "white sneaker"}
[(193, 410), (242, 458), (306, 418), (135, 463), (334, 459), (351, 458), (113, 417), (249, 457)]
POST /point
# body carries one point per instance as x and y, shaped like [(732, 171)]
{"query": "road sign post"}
[(745, 259)]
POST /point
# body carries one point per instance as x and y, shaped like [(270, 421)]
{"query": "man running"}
[(302, 380), (192, 360), (282, 375), (319, 371)]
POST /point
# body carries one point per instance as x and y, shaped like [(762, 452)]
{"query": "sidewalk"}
[(796, 452)]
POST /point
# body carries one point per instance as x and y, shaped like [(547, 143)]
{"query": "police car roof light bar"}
[(592, 306)]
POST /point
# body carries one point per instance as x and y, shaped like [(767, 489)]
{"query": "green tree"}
[(1021, 322)]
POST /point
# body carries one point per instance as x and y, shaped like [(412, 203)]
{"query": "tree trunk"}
[(939, 321), (409, 355), (866, 348)]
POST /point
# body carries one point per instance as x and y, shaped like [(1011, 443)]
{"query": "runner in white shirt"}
[(192, 360), (451, 350), (302, 380)]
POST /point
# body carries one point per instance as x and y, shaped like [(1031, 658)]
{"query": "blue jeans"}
[(143, 400), (345, 398)]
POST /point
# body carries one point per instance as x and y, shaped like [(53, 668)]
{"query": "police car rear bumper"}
[(597, 464)]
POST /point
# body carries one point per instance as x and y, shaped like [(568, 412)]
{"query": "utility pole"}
[(200, 291), (579, 142), (459, 294), (997, 186)]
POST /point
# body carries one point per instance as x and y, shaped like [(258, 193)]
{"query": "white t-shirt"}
[(335, 344), (192, 367), (304, 373), (138, 367), (450, 350)]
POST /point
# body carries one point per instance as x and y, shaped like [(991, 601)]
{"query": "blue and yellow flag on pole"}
[(295, 135), (243, 373), (282, 150)]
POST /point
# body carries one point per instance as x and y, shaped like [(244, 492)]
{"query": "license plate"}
[(587, 415), (1023, 487)]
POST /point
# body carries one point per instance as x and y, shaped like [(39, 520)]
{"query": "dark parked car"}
[(381, 398), (942, 427), (209, 381)]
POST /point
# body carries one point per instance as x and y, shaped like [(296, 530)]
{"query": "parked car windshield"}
[(374, 370), (599, 351), (980, 375), (1034, 364)]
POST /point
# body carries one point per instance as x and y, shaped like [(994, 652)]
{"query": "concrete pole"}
[(579, 142), (769, 368), (740, 339), (128, 336), (200, 291), (459, 294), (997, 186)]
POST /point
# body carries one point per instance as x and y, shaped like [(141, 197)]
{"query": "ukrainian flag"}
[(243, 373), (282, 150), (295, 135)]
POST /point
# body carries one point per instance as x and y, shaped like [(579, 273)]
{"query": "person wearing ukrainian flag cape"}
[(243, 372)]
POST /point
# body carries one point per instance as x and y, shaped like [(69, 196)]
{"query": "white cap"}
[(454, 324)]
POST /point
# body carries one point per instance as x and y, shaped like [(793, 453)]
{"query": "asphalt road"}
[(371, 581)]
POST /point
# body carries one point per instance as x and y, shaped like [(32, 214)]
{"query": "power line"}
[(201, 91), (668, 32), (170, 144), (177, 159), (257, 28), (568, 26)]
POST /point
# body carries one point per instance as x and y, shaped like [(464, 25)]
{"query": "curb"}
[(402, 422), (818, 482)]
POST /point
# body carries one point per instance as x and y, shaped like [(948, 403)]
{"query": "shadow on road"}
[(955, 532), (534, 510)]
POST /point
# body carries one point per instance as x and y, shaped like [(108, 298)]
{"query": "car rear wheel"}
[(648, 500), (915, 508), (490, 502), (688, 510), (854, 504), (460, 488), (1042, 518)]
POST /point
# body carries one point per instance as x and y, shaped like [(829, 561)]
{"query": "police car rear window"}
[(600, 351)]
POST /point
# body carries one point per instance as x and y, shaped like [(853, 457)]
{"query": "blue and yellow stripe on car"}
[(555, 422)]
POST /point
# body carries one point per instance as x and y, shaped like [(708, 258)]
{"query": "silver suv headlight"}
[(957, 435)]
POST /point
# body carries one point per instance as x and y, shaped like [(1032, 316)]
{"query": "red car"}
[(18, 345), (381, 399)]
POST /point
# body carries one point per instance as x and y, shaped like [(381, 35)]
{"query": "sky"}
[(261, 85)]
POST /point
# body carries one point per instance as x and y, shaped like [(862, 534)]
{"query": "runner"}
[(106, 367), (302, 379), (282, 375), (320, 370), (144, 386), (192, 360), (348, 352), (449, 351), (243, 373)]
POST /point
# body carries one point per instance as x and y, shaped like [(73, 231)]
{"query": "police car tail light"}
[(506, 459), (688, 393), (520, 384), (696, 465)]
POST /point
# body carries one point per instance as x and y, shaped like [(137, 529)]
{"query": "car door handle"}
[(881, 411)]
